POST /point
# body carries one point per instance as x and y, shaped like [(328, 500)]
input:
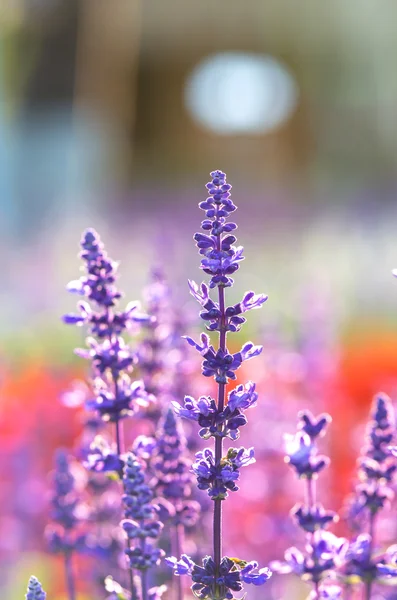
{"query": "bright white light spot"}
[(239, 93)]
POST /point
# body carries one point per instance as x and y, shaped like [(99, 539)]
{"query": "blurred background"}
[(112, 114)]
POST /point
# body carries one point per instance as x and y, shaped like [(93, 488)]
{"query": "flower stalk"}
[(220, 576)]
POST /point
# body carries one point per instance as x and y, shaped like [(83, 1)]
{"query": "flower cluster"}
[(140, 522), (208, 581), (219, 478), (35, 590), (220, 576), (212, 312), (216, 422), (220, 364), (324, 551), (115, 395)]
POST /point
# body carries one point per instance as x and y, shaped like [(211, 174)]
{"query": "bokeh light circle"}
[(240, 93)]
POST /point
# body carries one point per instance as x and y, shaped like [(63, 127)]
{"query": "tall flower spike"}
[(219, 577), (324, 551), (35, 591), (140, 523), (377, 469), (116, 396)]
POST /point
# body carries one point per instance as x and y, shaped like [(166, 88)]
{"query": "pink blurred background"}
[(111, 115)]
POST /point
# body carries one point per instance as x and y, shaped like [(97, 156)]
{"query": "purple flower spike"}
[(173, 477), (324, 552), (35, 591), (139, 523), (99, 286), (217, 473), (116, 396), (377, 469), (377, 466)]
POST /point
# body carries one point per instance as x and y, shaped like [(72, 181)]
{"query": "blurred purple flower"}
[(139, 512), (301, 454), (35, 590), (313, 426)]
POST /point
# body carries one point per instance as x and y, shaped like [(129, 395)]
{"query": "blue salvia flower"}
[(35, 590), (140, 525), (376, 470), (220, 478), (63, 534), (325, 552), (219, 577), (205, 412), (115, 395)]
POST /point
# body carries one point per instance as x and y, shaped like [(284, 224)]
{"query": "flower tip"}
[(89, 235)]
